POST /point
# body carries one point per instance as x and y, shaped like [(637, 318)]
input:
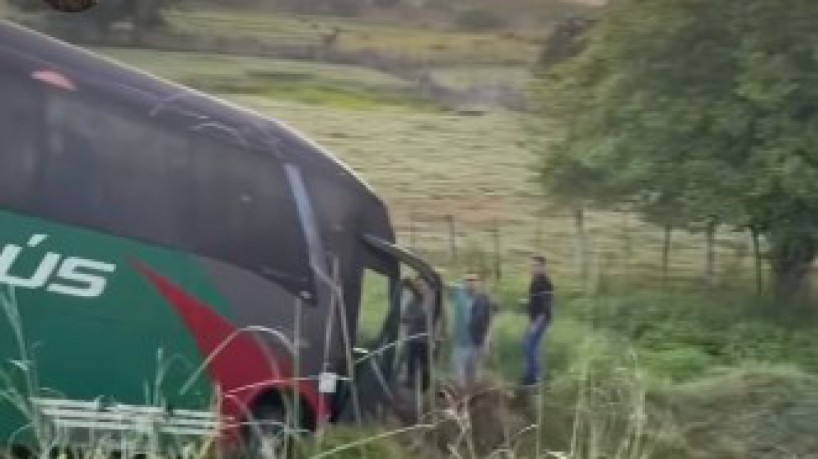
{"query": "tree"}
[(707, 107)]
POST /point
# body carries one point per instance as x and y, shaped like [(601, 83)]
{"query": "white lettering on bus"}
[(75, 276)]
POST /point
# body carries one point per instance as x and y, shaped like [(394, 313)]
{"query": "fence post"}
[(412, 241), (452, 237), (626, 234), (710, 267), (757, 259), (666, 254), (497, 251)]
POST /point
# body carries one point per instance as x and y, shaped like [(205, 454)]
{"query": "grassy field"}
[(428, 163), (633, 374), (415, 42)]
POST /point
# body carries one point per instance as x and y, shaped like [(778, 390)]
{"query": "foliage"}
[(699, 112), (682, 336)]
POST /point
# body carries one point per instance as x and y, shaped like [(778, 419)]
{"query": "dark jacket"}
[(414, 315), (480, 320), (540, 298)]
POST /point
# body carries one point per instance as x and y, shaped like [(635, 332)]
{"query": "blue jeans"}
[(466, 359), (532, 352)]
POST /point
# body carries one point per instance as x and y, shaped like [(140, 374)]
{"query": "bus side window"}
[(110, 169), (241, 207), (20, 131)]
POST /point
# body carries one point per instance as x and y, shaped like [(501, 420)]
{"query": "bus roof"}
[(183, 109), (165, 100)]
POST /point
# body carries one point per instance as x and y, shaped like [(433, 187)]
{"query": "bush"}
[(479, 19)]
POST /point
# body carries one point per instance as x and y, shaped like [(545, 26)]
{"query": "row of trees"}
[(697, 114)]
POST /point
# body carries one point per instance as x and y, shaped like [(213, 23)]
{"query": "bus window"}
[(374, 308), (242, 208), (20, 131), (106, 169)]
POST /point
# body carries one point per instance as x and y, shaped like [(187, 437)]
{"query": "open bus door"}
[(380, 362)]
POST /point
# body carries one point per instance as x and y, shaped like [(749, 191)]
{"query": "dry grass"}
[(412, 42)]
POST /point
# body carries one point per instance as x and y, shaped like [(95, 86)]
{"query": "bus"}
[(167, 257)]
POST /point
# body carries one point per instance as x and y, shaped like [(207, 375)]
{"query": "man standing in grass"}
[(540, 303), (472, 317)]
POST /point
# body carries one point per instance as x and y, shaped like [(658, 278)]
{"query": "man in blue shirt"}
[(472, 317)]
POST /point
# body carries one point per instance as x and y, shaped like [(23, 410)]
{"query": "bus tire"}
[(271, 433)]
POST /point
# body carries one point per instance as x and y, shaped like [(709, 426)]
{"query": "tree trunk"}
[(757, 259), (792, 255), (710, 269), (582, 245), (666, 254)]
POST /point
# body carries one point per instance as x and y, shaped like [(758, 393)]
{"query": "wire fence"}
[(603, 249)]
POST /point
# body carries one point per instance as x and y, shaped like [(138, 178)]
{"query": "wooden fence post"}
[(498, 272), (710, 241), (754, 234), (452, 237), (412, 242), (626, 234), (582, 246), (666, 254)]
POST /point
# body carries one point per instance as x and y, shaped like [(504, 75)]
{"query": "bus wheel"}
[(271, 433)]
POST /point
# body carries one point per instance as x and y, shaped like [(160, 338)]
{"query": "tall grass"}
[(603, 398)]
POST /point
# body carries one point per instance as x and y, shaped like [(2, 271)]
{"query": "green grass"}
[(724, 376), (672, 375), (342, 87), (466, 77)]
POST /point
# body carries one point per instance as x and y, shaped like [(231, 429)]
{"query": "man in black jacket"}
[(422, 319), (540, 303)]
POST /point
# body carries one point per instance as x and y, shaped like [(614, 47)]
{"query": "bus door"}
[(380, 383)]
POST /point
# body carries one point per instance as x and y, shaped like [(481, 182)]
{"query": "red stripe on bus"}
[(238, 363)]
